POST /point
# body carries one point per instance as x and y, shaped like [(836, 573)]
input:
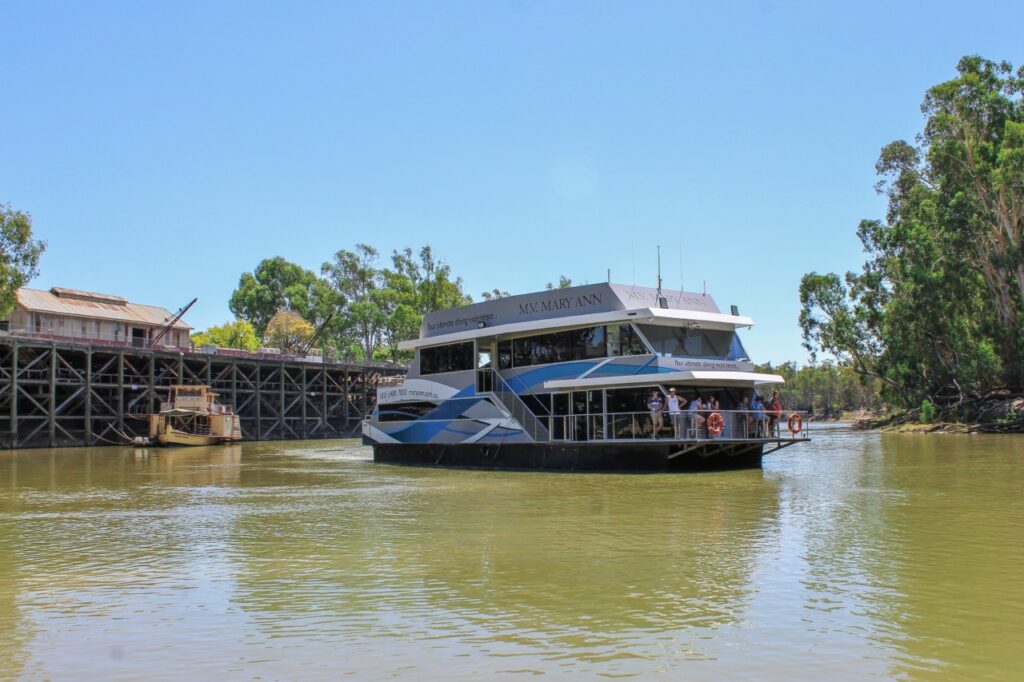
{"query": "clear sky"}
[(163, 149)]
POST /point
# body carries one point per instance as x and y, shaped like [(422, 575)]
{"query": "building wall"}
[(66, 326)]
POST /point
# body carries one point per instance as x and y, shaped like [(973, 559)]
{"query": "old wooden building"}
[(98, 319)]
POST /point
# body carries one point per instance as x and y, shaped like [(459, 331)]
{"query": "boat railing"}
[(692, 426), (215, 408), (519, 410)]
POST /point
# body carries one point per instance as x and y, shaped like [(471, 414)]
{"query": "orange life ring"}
[(795, 423), (715, 423)]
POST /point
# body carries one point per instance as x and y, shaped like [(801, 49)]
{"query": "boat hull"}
[(592, 456), (173, 437)]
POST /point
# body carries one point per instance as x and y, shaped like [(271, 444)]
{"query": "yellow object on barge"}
[(194, 417)]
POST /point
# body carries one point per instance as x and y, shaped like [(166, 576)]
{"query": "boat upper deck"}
[(591, 304)]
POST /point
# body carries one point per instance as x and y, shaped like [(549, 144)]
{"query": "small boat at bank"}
[(559, 380), (194, 417)]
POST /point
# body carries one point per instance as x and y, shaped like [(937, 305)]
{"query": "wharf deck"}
[(63, 393)]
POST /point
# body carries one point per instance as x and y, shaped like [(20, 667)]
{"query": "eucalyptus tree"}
[(937, 310), (386, 304)]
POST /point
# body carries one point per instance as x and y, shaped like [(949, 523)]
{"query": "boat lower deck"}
[(651, 455)]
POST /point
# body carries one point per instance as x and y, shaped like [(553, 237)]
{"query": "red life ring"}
[(715, 423), (795, 423)]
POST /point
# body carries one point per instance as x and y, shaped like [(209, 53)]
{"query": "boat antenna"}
[(609, 275), (659, 272), (662, 301), (634, 263)]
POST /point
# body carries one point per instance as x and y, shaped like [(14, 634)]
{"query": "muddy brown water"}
[(858, 555)]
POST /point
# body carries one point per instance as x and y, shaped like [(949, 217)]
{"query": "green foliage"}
[(563, 283), (238, 334), (19, 255), (387, 305), (827, 386), (927, 411), (938, 308), (277, 284), (288, 331), (495, 294)]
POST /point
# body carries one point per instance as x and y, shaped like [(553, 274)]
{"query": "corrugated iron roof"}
[(85, 304)]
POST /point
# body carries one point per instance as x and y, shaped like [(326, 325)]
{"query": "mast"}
[(659, 272)]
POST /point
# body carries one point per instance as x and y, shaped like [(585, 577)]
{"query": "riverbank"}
[(997, 412)]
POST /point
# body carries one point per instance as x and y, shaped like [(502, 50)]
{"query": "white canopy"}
[(664, 316), (695, 377)]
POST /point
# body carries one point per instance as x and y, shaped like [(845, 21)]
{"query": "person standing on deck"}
[(655, 405), (774, 409), (695, 415), (675, 412), (744, 417)]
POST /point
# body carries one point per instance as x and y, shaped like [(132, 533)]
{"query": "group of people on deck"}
[(760, 417)]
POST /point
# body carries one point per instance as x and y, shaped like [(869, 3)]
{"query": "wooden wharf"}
[(59, 393)]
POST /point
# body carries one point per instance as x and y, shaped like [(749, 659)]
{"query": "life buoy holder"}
[(715, 423), (795, 423)]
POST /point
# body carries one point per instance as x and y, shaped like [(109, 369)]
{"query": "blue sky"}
[(162, 150)]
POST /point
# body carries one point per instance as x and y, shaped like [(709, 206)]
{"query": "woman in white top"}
[(675, 412)]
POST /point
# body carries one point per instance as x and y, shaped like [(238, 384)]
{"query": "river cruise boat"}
[(192, 416), (561, 380)]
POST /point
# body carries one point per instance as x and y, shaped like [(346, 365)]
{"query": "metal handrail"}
[(736, 424), (511, 400)]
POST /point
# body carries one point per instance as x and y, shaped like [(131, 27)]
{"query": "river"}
[(857, 555)]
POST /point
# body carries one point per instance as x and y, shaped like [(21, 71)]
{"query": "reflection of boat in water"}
[(562, 380), (194, 417)]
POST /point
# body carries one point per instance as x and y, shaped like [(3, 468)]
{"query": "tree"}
[(387, 305), (495, 294), (355, 278), (19, 255), (238, 334), (414, 287), (288, 331), (937, 311), (563, 283), (276, 284)]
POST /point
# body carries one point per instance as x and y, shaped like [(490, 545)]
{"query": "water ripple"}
[(859, 555)]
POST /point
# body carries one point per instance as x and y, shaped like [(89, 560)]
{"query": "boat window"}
[(591, 342), (623, 340), (560, 404), (562, 346), (737, 351), (455, 357), (625, 400), (400, 412), (680, 341), (539, 403), (504, 354), (579, 402)]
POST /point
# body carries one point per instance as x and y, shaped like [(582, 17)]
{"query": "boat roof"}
[(691, 377), (586, 305)]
